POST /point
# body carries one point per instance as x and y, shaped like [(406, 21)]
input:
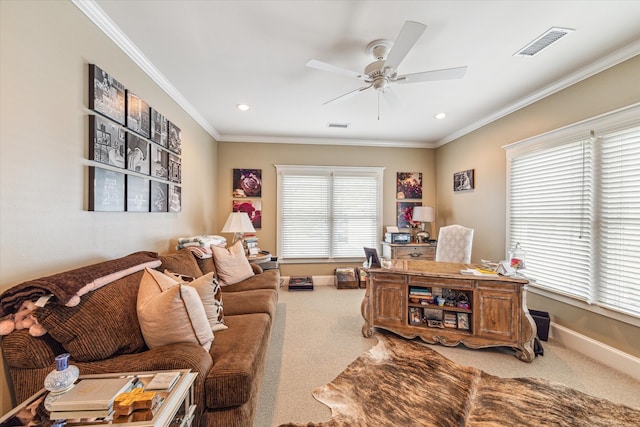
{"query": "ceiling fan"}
[(383, 72)]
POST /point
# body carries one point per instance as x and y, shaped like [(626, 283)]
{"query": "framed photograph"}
[(107, 142), (175, 198), (175, 168), (415, 315), (159, 196), (253, 208), (175, 138), (138, 115), (138, 158), (106, 190), (409, 185), (106, 95), (159, 162), (137, 194), (463, 181), (371, 256), (247, 183), (404, 212), (463, 321), (159, 128)]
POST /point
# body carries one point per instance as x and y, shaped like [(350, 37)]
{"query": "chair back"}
[(454, 244)]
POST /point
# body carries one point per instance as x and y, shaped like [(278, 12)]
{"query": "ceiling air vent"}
[(338, 125), (551, 36)]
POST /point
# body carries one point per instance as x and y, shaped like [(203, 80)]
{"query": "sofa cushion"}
[(171, 312), (238, 360), (270, 279), (232, 265), (254, 301), (181, 262), (104, 323), (210, 294)]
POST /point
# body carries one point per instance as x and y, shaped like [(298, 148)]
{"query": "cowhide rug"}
[(404, 383)]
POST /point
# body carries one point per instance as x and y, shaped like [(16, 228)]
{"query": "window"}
[(328, 213), (574, 206)]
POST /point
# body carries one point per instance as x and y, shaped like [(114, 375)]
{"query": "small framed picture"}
[(409, 185), (463, 321), (138, 115), (253, 208), (159, 196), (137, 194), (463, 181), (106, 190), (175, 198), (175, 168), (159, 128), (247, 183), (404, 212), (106, 95), (106, 142), (415, 315), (159, 162), (175, 138), (138, 159)]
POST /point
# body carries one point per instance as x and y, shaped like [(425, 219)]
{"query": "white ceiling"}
[(212, 55)]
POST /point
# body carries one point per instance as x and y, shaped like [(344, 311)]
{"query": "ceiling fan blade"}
[(409, 35), (347, 95), (323, 66), (429, 76)]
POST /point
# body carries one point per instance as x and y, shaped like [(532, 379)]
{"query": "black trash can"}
[(542, 320)]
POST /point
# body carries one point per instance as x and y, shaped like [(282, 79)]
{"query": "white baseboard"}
[(596, 350)]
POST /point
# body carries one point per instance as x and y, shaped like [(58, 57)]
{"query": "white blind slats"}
[(575, 208), (327, 212)]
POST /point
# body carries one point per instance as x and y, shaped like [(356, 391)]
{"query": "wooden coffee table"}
[(176, 409)]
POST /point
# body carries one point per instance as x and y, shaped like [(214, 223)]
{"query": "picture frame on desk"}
[(371, 257)]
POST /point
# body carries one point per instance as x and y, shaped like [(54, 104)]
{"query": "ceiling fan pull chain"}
[(378, 105)]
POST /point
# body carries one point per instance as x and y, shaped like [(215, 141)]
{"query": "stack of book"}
[(89, 398), (421, 296), (250, 243)]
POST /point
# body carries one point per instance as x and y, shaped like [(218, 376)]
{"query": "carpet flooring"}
[(405, 383)]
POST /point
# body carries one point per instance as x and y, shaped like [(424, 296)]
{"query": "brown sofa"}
[(103, 335)]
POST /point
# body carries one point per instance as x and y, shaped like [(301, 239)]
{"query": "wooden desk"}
[(495, 314)]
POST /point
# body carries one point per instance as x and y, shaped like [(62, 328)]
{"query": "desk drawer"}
[(415, 252)]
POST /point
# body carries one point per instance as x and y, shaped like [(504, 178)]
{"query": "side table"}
[(177, 407)]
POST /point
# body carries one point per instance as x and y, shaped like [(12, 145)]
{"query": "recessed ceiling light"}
[(243, 107), (440, 116)]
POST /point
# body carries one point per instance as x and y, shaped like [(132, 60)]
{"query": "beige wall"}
[(265, 156), (484, 208), (44, 225)]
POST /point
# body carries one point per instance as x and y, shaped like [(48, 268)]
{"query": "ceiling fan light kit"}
[(383, 71)]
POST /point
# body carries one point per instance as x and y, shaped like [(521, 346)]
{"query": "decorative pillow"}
[(182, 262), (171, 312), (210, 294), (232, 265)]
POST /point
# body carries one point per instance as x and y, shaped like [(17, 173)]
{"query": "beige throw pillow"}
[(210, 294), (170, 312), (232, 264)]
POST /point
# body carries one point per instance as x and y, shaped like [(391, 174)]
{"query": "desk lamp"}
[(422, 214), (238, 223)]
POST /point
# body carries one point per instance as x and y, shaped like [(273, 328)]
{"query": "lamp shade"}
[(422, 214), (238, 222)]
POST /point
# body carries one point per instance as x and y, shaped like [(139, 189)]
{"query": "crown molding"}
[(325, 141), (91, 9)]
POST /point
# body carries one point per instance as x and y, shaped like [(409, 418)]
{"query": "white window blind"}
[(619, 221), (327, 213), (574, 206)]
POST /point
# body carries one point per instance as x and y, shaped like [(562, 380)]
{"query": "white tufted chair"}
[(454, 244)]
